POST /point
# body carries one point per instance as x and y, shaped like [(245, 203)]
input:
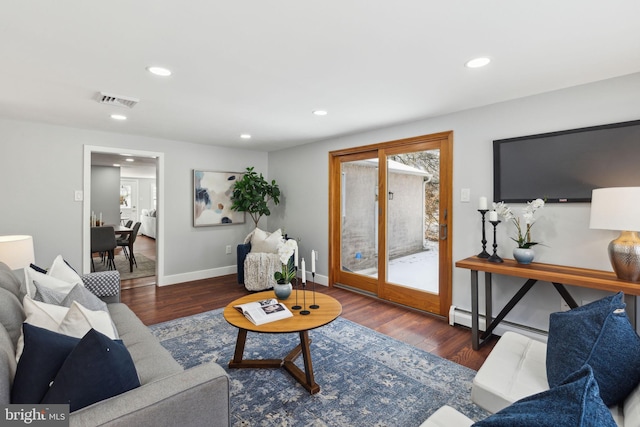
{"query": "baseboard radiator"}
[(458, 316)]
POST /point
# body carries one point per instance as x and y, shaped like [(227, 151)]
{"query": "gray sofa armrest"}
[(196, 397), (103, 284)]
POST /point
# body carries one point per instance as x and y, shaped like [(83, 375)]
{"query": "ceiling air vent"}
[(118, 100)]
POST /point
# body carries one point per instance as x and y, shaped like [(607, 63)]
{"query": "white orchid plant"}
[(523, 238), (286, 248)]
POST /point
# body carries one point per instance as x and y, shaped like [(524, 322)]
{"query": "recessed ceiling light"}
[(159, 71), (245, 136), (130, 160), (320, 113), (116, 165), (477, 62), (118, 117)]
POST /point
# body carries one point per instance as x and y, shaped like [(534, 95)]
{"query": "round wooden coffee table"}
[(329, 309)]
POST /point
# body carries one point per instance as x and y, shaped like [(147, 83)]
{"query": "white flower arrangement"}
[(286, 249), (523, 238)]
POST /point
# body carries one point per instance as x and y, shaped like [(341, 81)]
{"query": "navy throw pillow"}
[(98, 368), (576, 403), (43, 355), (600, 335), (38, 269)]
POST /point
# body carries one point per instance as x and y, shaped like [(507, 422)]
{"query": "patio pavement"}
[(419, 271)]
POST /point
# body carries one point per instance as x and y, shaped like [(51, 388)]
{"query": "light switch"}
[(78, 196), (465, 195)]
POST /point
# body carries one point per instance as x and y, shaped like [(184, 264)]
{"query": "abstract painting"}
[(212, 198)]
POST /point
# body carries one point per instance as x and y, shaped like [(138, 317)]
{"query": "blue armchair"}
[(241, 251)]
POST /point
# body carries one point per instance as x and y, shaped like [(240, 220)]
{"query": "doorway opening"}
[(137, 198)]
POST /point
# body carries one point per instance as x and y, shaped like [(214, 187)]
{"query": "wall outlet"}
[(228, 249)]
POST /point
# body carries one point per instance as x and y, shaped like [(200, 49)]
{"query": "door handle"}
[(443, 231)]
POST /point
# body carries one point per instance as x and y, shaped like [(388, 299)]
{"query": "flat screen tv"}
[(563, 167)]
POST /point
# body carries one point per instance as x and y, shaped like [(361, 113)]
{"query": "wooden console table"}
[(558, 275)]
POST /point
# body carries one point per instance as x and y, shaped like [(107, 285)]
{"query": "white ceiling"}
[(261, 67)]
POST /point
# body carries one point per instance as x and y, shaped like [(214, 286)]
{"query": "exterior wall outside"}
[(405, 215), (359, 217), (405, 231)]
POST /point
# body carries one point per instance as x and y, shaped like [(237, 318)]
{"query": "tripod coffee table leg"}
[(238, 362), (305, 378)]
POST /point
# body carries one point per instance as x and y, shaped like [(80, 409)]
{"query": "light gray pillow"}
[(11, 315), (78, 293), (10, 282)]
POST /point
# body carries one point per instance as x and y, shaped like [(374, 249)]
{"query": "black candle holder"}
[(484, 253), (313, 280), (297, 306), (304, 310), (495, 257)]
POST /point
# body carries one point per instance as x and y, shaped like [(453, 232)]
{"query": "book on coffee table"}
[(265, 311)]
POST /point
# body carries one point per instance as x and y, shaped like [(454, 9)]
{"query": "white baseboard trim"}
[(461, 317), (220, 271), (196, 275)]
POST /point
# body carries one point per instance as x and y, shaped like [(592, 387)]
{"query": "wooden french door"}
[(390, 210)]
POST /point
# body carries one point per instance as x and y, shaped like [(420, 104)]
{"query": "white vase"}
[(282, 290), (523, 255)]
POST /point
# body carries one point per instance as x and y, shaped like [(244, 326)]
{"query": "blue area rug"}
[(365, 378)]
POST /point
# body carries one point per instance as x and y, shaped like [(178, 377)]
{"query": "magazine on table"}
[(265, 311)]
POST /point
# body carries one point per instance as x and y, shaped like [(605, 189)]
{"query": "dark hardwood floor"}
[(158, 304)]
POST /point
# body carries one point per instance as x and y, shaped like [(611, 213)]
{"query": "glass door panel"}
[(413, 207), (359, 218)]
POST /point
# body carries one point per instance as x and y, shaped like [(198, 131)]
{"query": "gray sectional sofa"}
[(168, 395)]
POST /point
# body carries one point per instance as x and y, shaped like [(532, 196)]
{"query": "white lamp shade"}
[(616, 208), (16, 251)]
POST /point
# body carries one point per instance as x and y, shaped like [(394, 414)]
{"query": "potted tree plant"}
[(253, 193)]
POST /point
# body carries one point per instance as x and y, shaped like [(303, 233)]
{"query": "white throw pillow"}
[(45, 280), (61, 270), (79, 320), (42, 315), (265, 242)]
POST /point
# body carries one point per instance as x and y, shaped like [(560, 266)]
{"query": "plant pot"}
[(282, 290), (523, 256)]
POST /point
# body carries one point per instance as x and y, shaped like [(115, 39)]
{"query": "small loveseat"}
[(168, 395)]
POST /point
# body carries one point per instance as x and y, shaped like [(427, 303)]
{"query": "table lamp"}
[(16, 251), (618, 208)]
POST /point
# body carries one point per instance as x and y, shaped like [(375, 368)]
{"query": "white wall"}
[(41, 166), (145, 193), (563, 228)]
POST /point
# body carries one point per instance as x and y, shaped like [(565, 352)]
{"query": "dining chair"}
[(103, 240), (126, 243), (128, 224)]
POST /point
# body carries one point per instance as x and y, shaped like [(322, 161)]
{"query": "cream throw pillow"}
[(79, 320), (61, 270), (74, 321), (265, 242)]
